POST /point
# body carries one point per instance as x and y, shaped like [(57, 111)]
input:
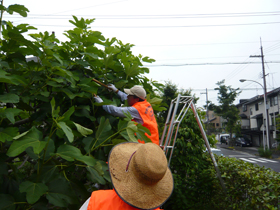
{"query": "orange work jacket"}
[(108, 200), (149, 121)]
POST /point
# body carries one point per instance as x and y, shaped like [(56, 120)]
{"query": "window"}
[(256, 106), (275, 100), (217, 124), (251, 111), (244, 107)]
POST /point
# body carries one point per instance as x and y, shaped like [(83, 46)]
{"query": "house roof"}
[(258, 97)]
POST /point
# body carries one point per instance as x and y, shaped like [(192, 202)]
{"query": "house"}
[(253, 117), (215, 122)]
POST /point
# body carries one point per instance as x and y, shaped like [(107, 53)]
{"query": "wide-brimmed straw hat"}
[(136, 90), (140, 174)]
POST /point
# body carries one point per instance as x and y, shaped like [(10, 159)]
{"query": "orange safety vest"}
[(108, 200), (149, 121)]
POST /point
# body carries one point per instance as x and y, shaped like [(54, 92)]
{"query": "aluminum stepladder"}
[(166, 141)]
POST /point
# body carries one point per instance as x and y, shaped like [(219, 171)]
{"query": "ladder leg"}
[(208, 147)]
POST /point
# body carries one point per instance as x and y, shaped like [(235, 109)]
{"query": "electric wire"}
[(170, 16), (204, 64), (165, 26)]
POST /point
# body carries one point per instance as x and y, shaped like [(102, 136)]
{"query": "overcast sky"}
[(195, 43)]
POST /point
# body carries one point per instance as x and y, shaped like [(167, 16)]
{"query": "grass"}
[(265, 152)]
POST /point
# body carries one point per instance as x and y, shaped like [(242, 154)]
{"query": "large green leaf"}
[(66, 116), (32, 138), (95, 175), (141, 130), (8, 134), (7, 79), (69, 152), (67, 130), (155, 100), (88, 141), (60, 193), (103, 131), (90, 161), (9, 98), (73, 95), (49, 172), (7, 202), (84, 131), (131, 70), (20, 9), (10, 113), (33, 190), (131, 130)]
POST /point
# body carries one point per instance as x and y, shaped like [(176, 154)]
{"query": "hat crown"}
[(149, 164), (137, 90)]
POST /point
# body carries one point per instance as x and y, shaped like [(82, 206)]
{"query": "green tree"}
[(226, 109), (54, 140)]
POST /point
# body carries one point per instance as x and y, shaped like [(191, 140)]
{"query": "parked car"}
[(243, 141), (215, 151), (224, 139)]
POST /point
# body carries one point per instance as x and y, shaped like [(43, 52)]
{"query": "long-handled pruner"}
[(100, 83)]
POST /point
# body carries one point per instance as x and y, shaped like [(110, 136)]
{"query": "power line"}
[(207, 64), (197, 44), (155, 27), (213, 15), (212, 89)]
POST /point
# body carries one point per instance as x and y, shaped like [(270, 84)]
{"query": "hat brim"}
[(129, 188), (128, 91)]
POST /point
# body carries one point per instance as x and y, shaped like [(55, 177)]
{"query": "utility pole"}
[(207, 115), (265, 94)]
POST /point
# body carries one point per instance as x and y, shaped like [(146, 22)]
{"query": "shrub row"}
[(247, 187)]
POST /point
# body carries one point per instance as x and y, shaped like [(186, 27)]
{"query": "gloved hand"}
[(112, 87), (97, 99)]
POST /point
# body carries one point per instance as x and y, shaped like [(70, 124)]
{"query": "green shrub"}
[(265, 152), (248, 186)]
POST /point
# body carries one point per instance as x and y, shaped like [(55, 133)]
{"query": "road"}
[(248, 154)]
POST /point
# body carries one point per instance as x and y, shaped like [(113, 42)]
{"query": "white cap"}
[(136, 90)]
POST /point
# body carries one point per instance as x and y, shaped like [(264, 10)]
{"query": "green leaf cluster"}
[(54, 139)]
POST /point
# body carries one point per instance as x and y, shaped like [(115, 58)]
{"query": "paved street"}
[(250, 154)]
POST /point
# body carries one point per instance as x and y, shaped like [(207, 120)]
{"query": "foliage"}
[(248, 186), (265, 152), (54, 138), (227, 110)]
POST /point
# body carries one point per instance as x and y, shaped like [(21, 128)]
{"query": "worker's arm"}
[(121, 94), (119, 111)]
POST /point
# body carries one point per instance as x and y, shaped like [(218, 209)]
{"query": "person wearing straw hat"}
[(140, 177), (140, 109)]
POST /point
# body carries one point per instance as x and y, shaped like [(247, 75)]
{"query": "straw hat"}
[(140, 174), (136, 90)]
